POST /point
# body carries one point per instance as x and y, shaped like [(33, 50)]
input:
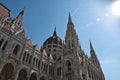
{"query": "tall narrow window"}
[(36, 62), (69, 66), (1, 42), (27, 57), (16, 49), (72, 43), (59, 71), (30, 59), (33, 61), (39, 64), (4, 46), (24, 56), (69, 45)]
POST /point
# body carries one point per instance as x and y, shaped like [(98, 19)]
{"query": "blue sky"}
[(93, 20)]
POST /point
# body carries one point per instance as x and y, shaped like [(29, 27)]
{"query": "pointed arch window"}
[(16, 49)]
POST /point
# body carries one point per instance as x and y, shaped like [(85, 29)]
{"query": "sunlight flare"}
[(116, 8)]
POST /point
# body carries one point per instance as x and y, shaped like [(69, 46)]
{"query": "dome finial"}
[(55, 33)]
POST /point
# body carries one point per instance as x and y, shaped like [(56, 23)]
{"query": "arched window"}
[(4, 46), (1, 42), (7, 72), (22, 75), (16, 49)]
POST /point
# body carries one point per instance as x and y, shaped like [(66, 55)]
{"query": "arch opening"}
[(7, 72), (22, 75), (33, 76), (16, 49)]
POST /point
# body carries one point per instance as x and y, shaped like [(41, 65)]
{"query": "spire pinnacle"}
[(69, 18), (55, 33), (91, 47)]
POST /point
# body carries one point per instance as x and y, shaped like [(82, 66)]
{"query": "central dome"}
[(54, 39)]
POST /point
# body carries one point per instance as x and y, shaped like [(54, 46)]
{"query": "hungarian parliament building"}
[(56, 59)]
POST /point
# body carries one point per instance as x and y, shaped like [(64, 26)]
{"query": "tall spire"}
[(69, 18), (55, 33)]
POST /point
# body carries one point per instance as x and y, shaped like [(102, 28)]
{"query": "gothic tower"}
[(71, 60)]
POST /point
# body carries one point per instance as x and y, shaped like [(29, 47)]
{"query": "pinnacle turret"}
[(93, 55)]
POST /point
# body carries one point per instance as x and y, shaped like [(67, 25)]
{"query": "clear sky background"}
[(93, 20)]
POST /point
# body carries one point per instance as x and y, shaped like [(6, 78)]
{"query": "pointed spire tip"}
[(91, 47), (70, 17)]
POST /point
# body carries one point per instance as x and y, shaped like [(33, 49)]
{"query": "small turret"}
[(20, 15)]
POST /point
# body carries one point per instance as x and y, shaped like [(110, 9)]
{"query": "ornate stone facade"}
[(55, 60)]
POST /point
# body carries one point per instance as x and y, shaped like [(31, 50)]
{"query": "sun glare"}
[(116, 8)]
